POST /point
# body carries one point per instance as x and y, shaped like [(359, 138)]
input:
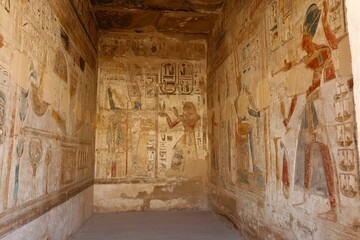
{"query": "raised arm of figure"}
[(330, 36), (168, 119)]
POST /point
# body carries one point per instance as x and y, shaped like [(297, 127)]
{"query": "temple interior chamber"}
[(179, 119)]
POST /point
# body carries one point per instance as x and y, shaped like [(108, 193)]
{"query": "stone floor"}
[(155, 226)]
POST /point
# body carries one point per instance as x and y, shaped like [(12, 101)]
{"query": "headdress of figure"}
[(312, 20), (191, 107)]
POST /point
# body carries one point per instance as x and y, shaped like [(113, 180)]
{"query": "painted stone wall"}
[(284, 160), (151, 142), (47, 99), (61, 221), (354, 32)]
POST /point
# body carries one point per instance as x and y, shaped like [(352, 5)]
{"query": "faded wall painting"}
[(289, 133), (151, 121), (47, 92), (241, 118)]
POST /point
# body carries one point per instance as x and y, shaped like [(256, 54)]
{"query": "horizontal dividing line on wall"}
[(15, 218), (55, 136), (135, 181)]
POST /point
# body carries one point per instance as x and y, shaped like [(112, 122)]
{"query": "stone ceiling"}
[(174, 16)]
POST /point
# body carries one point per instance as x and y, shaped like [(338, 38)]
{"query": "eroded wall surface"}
[(47, 100), (61, 221), (284, 161), (151, 141)]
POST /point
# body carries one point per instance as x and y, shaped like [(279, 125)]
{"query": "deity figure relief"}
[(245, 109), (185, 148), (312, 130)]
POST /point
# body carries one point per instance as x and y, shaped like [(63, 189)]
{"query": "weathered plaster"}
[(59, 223), (163, 16)]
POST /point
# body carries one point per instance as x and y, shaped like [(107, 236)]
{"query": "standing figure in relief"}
[(319, 60), (185, 149), (245, 110)]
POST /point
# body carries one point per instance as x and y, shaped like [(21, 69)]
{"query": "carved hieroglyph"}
[(279, 22)]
